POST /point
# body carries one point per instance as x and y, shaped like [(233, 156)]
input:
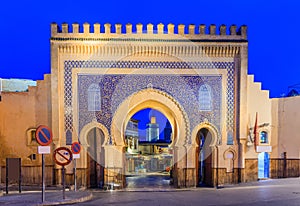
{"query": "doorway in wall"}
[(95, 158), (263, 165), (204, 158)]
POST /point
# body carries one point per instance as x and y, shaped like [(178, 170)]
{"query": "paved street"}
[(268, 192), (275, 192)]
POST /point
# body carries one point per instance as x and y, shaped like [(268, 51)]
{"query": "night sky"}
[(273, 31)]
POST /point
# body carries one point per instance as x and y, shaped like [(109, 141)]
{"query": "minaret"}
[(152, 130)]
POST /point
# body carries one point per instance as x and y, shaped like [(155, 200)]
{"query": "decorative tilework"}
[(230, 105), (115, 88)]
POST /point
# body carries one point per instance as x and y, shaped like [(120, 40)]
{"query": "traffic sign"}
[(76, 147), (62, 156), (43, 135)]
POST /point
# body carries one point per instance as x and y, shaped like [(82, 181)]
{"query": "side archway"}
[(88, 127), (212, 128), (93, 138), (205, 137)]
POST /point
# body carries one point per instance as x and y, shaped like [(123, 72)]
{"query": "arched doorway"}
[(204, 158), (263, 165), (167, 105), (95, 158), (149, 157)]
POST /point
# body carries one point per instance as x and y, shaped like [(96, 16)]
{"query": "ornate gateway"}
[(100, 78)]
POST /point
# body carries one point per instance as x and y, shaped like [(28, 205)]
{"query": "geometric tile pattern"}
[(113, 87), (117, 88), (230, 105)]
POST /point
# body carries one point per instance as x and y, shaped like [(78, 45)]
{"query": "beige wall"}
[(17, 115), (286, 124), (20, 112), (258, 101)]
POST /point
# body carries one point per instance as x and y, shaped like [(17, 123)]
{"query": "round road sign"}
[(62, 156), (76, 147), (43, 135)]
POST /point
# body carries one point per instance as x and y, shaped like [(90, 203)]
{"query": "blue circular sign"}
[(76, 147), (43, 135)]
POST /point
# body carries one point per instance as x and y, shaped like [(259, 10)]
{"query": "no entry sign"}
[(76, 147), (43, 135), (62, 156)]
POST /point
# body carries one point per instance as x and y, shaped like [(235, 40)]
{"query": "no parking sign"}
[(43, 135), (76, 147)]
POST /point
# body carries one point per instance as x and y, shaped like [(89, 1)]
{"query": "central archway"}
[(163, 103), (149, 158)]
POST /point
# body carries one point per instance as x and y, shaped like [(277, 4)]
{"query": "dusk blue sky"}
[(273, 31), (144, 117)]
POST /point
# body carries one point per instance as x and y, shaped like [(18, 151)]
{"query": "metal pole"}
[(20, 176), (6, 188), (43, 178), (75, 184), (63, 181)]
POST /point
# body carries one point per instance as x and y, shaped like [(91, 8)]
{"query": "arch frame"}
[(87, 128), (158, 100), (230, 150), (216, 138)]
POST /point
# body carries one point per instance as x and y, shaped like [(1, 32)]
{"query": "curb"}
[(68, 201)]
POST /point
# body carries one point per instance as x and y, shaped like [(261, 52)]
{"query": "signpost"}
[(76, 150), (43, 136), (63, 156)]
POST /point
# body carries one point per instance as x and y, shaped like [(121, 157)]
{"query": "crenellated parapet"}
[(191, 31), (188, 41)]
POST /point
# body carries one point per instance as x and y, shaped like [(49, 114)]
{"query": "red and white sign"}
[(62, 156), (43, 135), (76, 147)]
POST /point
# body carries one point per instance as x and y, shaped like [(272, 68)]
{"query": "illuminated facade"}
[(199, 80)]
